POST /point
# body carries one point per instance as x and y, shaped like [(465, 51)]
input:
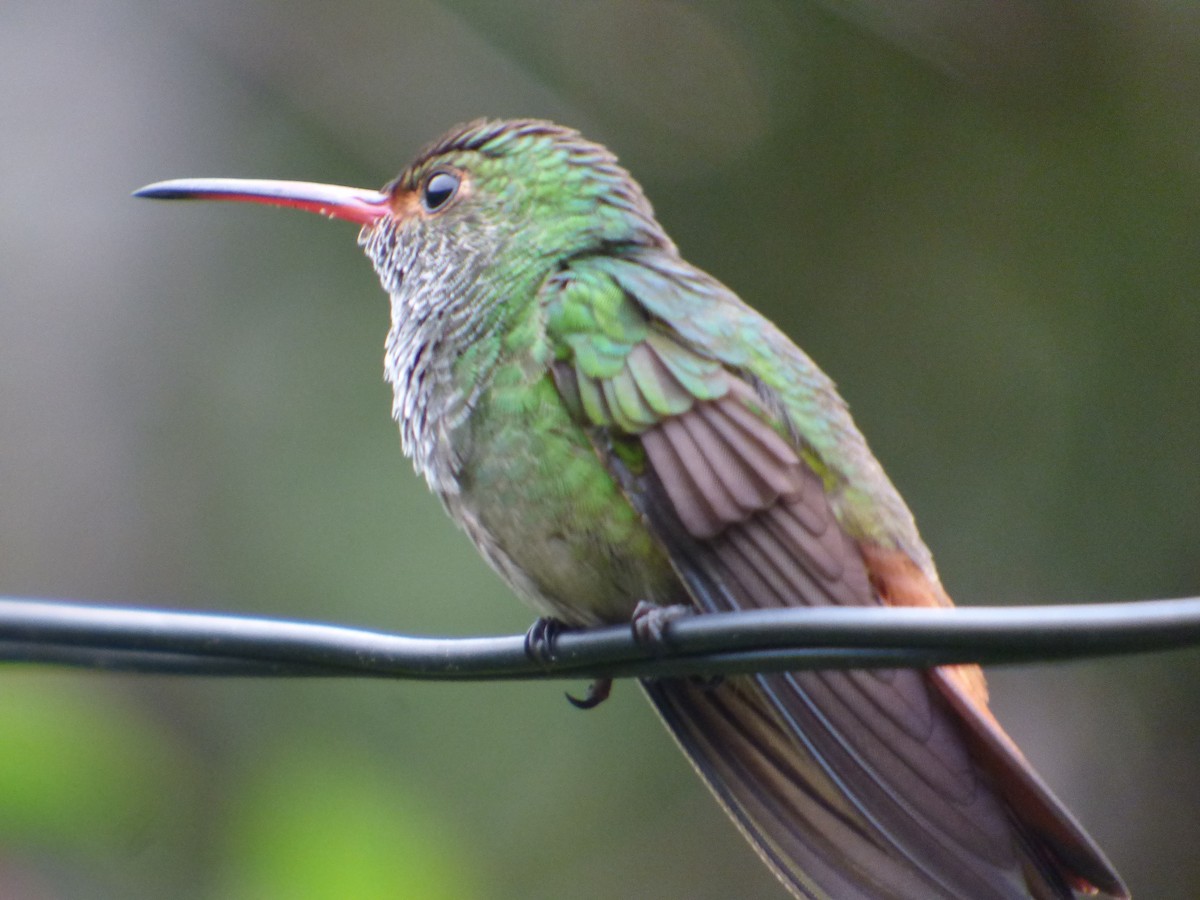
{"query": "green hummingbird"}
[(612, 426)]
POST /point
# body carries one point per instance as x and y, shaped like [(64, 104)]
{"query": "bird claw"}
[(539, 647), (597, 693), (540, 638), (649, 625), (649, 622)]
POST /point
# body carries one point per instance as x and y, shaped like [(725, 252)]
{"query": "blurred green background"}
[(980, 218)]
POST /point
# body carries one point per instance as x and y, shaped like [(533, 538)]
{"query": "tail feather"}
[(1062, 838), (806, 824)]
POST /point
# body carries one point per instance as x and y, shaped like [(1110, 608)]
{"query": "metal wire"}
[(116, 638)]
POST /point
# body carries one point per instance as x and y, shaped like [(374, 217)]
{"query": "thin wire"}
[(116, 638)]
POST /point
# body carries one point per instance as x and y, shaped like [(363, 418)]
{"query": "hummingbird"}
[(616, 431)]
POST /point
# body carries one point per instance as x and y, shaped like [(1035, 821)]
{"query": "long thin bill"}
[(334, 201)]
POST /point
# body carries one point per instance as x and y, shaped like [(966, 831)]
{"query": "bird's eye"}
[(439, 188)]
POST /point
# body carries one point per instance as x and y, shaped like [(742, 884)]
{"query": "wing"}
[(850, 784)]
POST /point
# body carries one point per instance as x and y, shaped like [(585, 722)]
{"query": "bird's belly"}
[(549, 517)]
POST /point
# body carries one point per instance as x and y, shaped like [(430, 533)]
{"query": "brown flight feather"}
[(886, 783)]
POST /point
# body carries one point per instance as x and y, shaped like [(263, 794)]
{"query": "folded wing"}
[(885, 783)]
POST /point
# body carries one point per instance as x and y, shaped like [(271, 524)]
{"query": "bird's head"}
[(492, 204)]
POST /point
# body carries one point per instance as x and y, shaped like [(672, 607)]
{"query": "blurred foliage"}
[(322, 822), (980, 218)]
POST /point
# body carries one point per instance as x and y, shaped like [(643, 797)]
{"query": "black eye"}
[(439, 188)]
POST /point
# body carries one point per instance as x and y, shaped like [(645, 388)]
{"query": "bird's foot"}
[(540, 638), (539, 646), (649, 624), (650, 621)]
